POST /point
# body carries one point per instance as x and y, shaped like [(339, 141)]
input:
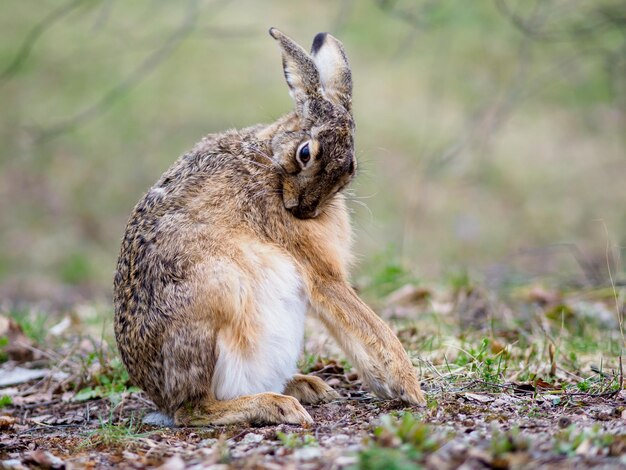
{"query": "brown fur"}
[(189, 260)]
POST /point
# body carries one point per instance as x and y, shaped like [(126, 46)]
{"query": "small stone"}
[(564, 422), (468, 423), (209, 442), (307, 453), (44, 459), (12, 464), (345, 461), (337, 439), (130, 456), (173, 463), (251, 438)]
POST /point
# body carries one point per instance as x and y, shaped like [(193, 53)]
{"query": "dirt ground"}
[(48, 430), (534, 393)]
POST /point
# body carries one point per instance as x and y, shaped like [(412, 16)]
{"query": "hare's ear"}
[(300, 71), (331, 61)]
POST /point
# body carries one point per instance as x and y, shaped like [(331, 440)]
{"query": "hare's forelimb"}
[(310, 390), (368, 341), (266, 408)]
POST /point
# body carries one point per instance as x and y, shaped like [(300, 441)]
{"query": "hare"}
[(226, 253)]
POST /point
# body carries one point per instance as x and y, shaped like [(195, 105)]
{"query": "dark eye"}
[(305, 153)]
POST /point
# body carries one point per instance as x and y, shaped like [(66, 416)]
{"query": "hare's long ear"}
[(300, 71), (332, 63)]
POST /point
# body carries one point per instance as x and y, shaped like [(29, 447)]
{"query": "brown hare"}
[(227, 252)]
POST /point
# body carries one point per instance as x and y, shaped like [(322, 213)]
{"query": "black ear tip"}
[(274, 32), (317, 42)]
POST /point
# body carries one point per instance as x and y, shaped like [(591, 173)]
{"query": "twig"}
[(139, 74), (618, 310), (621, 373), (33, 36), (537, 391)]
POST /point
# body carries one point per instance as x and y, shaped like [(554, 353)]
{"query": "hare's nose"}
[(290, 203)]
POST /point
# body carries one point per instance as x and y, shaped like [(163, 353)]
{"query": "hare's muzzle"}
[(302, 212)]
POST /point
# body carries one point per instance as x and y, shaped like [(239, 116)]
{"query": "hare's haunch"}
[(227, 252)]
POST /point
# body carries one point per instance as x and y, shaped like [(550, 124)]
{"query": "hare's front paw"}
[(407, 388), (401, 383), (310, 390)]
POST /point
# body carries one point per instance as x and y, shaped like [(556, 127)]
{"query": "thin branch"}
[(536, 33), (103, 15), (33, 36), (139, 74)]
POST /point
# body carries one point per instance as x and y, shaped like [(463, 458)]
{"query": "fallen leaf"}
[(60, 327), (408, 295), (479, 398), (18, 347), (20, 375), (44, 459), (543, 296), (7, 422), (542, 384), (497, 347)]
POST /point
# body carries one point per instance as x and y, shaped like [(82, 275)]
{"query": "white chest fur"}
[(280, 308)]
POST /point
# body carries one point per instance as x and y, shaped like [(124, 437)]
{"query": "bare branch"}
[(601, 19), (33, 36), (139, 74)]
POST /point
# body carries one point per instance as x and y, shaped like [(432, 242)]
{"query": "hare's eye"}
[(304, 154)]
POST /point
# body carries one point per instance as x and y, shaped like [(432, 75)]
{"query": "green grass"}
[(571, 439), (399, 443), (34, 323), (109, 381), (296, 441), (419, 91), (5, 400), (110, 435)]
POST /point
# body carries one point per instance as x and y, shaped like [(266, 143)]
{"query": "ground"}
[(527, 379)]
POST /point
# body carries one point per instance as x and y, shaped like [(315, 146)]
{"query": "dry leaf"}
[(408, 295), (542, 384), (497, 347), (20, 375), (19, 347), (543, 296), (44, 459), (479, 398), (7, 422), (61, 327)]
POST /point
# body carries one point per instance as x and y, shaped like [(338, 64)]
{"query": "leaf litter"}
[(529, 380)]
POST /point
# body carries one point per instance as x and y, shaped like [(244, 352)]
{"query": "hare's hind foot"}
[(262, 408), (310, 390)]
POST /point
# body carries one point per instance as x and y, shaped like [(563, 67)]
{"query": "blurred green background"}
[(490, 134)]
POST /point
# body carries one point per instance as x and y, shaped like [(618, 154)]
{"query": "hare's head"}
[(316, 146)]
